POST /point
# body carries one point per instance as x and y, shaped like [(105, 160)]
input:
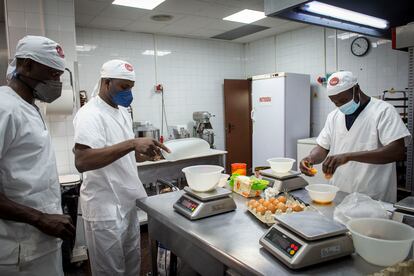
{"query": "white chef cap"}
[(115, 69), (340, 81), (40, 49)]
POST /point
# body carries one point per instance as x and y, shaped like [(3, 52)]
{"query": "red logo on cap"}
[(334, 81), (129, 67), (59, 50)]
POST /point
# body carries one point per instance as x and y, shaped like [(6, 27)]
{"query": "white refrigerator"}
[(280, 115)]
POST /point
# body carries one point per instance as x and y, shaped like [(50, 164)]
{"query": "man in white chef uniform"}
[(361, 141), (31, 220), (106, 150)]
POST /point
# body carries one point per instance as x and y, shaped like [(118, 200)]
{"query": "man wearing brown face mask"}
[(31, 220)]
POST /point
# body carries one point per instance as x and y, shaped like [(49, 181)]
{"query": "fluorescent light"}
[(344, 36), (344, 14), (380, 42), (245, 16), (139, 4), (85, 48), (159, 53)]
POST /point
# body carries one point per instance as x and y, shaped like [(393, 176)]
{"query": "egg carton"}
[(269, 218)]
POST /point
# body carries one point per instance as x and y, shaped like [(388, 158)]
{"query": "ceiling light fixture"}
[(246, 16), (344, 36), (159, 53), (345, 15), (85, 48), (139, 4)]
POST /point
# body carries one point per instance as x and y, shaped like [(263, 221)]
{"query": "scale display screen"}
[(283, 242), (188, 204), (409, 220)]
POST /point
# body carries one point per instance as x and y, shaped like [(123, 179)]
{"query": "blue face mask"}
[(123, 98), (350, 107)]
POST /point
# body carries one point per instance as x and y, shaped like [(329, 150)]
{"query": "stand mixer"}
[(203, 128)]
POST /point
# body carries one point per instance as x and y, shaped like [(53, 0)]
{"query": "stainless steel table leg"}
[(173, 264), (154, 253)]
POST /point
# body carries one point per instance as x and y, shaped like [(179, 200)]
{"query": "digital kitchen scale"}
[(197, 205), (284, 182), (306, 238), (404, 211)]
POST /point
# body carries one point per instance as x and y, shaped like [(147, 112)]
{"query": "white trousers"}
[(49, 264), (114, 245)]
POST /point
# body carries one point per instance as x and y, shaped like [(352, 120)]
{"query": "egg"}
[(251, 202), (328, 176), (281, 206), (313, 171), (255, 205), (272, 208), (272, 199), (261, 200), (282, 199), (261, 210), (266, 203), (297, 208)]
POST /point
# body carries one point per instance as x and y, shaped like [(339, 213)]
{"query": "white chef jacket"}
[(376, 126), (28, 176), (115, 187)]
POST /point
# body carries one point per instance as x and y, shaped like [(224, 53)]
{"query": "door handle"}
[(229, 127), (252, 115)]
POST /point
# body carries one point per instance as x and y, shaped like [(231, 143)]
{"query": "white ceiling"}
[(192, 18)]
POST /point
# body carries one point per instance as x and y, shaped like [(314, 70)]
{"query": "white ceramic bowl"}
[(203, 178), (281, 164), (381, 241), (322, 193), (184, 148)]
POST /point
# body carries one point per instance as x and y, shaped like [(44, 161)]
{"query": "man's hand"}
[(142, 158), (149, 147), (56, 225), (332, 162), (306, 166)]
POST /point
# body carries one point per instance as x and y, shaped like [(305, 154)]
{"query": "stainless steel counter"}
[(229, 243)]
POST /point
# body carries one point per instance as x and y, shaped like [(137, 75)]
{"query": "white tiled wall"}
[(316, 51), (56, 20), (60, 26), (191, 70), (301, 51), (382, 68), (260, 56)]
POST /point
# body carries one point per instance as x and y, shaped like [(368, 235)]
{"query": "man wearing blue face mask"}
[(361, 141), (106, 152)]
